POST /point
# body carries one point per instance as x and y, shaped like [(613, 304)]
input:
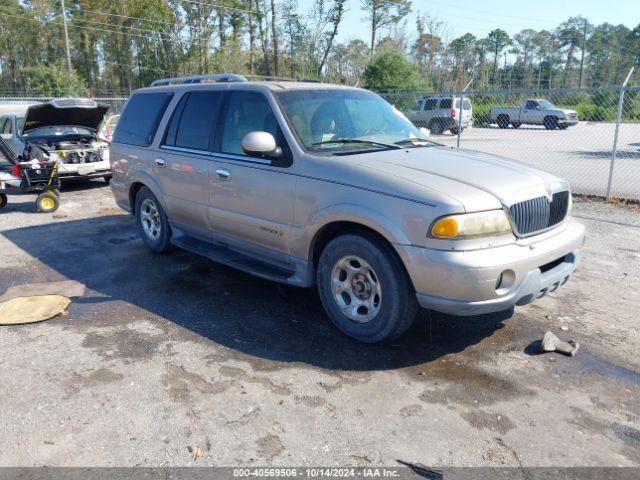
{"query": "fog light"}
[(505, 282)]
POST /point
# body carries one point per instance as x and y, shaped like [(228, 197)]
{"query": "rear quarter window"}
[(141, 117), (446, 103)]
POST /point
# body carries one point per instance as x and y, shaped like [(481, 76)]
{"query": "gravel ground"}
[(166, 354)]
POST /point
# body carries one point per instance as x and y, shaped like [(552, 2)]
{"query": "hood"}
[(477, 180), (68, 112), (563, 111)]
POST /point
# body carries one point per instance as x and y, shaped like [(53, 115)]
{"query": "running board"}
[(224, 255)]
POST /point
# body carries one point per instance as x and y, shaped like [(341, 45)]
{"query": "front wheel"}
[(152, 222), (550, 123), (365, 290)]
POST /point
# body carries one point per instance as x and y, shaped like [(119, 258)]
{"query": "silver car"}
[(63, 130), (311, 184)]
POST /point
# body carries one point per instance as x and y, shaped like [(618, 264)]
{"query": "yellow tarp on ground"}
[(33, 309)]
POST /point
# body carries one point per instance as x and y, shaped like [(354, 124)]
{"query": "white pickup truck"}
[(534, 111)]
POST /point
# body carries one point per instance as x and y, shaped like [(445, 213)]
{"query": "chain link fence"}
[(599, 154), (591, 137), (115, 103)]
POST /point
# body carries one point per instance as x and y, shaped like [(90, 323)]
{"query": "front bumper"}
[(84, 170), (465, 282), (568, 121)]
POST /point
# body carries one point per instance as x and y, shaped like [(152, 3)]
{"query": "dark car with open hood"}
[(63, 129)]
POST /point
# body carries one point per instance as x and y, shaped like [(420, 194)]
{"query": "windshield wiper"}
[(356, 141), (417, 142)]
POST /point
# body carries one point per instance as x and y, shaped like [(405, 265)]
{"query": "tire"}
[(436, 127), (454, 130), (3, 200), (503, 121), (47, 202), (152, 222), (376, 277), (107, 179), (550, 123), (516, 125)]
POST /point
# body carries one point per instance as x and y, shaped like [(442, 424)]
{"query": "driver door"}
[(251, 198)]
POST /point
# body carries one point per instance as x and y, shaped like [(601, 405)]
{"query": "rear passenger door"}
[(184, 158), (252, 198)]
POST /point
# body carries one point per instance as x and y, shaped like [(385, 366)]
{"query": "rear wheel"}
[(365, 290), (152, 222), (3, 200), (454, 130), (550, 123), (47, 202), (503, 121)]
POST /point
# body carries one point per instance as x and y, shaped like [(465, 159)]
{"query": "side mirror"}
[(260, 144)]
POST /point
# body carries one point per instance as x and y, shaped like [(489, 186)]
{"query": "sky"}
[(480, 17)]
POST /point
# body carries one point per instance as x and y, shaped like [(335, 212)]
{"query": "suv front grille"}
[(538, 214)]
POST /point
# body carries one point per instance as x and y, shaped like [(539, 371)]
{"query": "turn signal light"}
[(445, 228)]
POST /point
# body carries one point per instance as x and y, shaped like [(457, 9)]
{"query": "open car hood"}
[(67, 111)]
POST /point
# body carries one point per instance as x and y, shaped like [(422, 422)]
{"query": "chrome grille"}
[(538, 214)]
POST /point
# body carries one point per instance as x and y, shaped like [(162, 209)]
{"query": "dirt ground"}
[(168, 354)]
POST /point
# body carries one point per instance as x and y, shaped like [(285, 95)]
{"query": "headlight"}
[(480, 224)]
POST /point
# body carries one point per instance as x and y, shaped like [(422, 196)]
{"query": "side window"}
[(194, 119), (431, 104), (141, 117), (466, 104), (446, 103), (531, 105), (250, 112)]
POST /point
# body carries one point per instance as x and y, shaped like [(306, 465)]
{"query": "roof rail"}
[(223, 77)]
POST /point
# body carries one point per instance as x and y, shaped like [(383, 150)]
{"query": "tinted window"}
[(446, 103), (197, 115), (247, 112), (140, 119), (466, 104), (530, 105), (431, 104)]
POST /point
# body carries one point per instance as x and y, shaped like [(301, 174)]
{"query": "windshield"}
[(55, 131), (337, 121), (546, 104)]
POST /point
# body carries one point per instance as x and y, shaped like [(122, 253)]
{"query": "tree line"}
[(115, 47)]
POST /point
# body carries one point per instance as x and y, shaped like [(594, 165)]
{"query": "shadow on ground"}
[(241, 312)]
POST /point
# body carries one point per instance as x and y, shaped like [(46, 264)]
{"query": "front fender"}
[(303, 237)]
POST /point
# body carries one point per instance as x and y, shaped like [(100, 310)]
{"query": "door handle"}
[(223, 175), (160, 162)]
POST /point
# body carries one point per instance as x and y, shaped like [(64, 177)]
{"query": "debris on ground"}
[(22, 310), (551, 343)]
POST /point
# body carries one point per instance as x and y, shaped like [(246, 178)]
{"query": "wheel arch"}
[(339, 228), (137, 184)]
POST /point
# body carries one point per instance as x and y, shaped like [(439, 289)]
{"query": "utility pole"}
[(66, 37), (584, 44)]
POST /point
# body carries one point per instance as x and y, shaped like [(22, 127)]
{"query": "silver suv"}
[(311, 184)]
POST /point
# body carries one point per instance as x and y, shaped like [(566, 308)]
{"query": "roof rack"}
[(224, 77)]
